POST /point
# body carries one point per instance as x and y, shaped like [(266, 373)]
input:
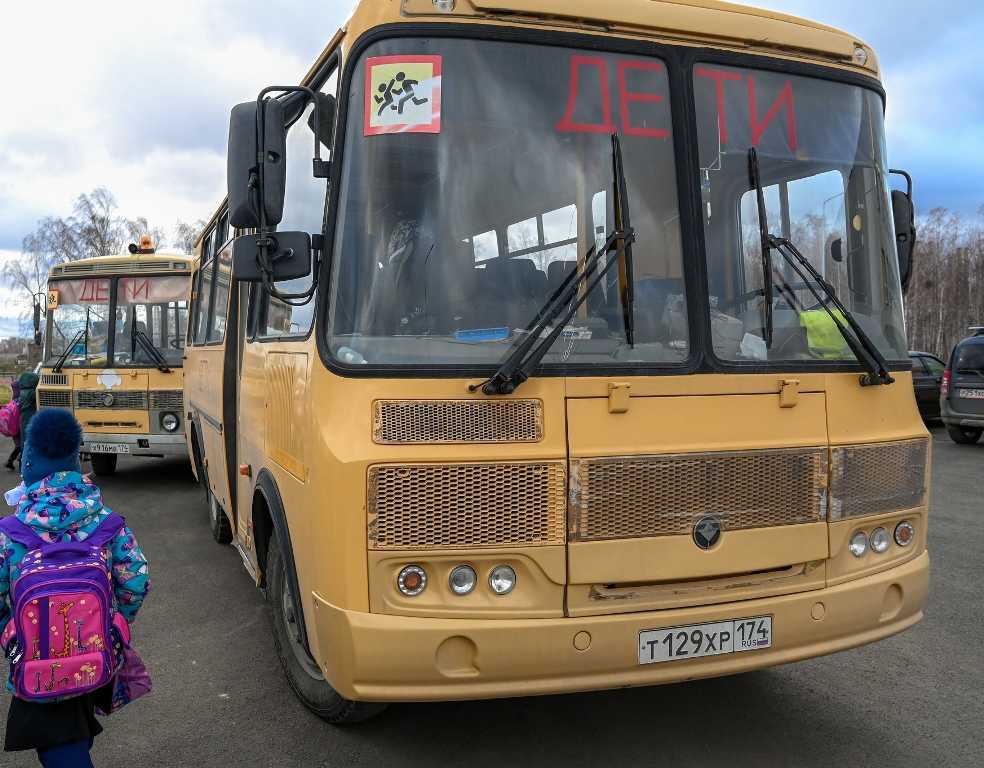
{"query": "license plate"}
[(712, 639), (108, 448), (971, 394)]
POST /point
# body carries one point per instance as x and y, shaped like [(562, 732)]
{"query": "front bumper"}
[(140, 445), (376, 657)]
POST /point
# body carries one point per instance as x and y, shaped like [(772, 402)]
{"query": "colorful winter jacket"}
[(66, 506)]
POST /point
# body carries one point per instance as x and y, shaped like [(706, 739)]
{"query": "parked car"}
[(927, 377), (962, 390)]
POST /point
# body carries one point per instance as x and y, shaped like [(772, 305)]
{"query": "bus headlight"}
[(170, 422), (502, 579), (879, 540), (858, 544), (462, 579)]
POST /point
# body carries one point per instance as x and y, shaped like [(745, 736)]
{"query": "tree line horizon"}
[(944, 299)]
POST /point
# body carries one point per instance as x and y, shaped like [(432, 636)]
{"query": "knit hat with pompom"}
[(53, 441)]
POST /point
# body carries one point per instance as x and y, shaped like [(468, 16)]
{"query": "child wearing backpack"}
[(72, 578), (10, 422)]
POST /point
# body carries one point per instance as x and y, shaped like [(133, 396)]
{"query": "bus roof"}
[(123, 264), (706, 23)]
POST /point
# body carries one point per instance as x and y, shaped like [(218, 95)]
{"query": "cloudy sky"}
[(134, 96)]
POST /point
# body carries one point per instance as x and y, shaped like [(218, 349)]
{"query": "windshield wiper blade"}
[(754, 179), (861, 345), (151, 350), (56, 368), (528, 352), (620, 203)]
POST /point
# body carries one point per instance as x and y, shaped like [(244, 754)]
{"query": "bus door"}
[(212, 411)]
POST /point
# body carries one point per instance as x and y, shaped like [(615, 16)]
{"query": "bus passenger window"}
[(204, 300), (220, 296)]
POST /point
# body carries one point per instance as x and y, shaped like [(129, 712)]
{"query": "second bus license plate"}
[(971, 394), (108, 448), (713, 639)]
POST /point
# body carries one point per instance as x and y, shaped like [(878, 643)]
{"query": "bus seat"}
[(556, 272), (509, 293)]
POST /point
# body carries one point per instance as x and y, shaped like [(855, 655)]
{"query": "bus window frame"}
[(680, 62)]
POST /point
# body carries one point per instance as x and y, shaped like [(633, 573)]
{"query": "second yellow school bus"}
[(575, 360), (114, 349)]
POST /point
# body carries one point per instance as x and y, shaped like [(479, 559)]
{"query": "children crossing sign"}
[(403, 94)]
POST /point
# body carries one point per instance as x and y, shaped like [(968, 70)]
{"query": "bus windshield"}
[(821, 152), (147, 312), (476, 175)]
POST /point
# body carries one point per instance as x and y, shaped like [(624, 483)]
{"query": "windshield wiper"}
[(561, 306), (756, 183), (150, 349), (860, 343), (56, 368)]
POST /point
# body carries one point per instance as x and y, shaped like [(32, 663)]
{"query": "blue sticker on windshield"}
[(476, 335)]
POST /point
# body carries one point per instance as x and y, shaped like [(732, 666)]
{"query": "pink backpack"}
[(10, 419), (62, 613)]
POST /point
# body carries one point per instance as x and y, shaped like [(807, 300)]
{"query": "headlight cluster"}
[(879, 541), (170, 422), (412, 580)]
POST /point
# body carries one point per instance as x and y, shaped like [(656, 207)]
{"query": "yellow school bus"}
[(114, 344), (550, 346)]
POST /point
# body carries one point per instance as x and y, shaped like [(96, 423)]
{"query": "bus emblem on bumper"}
[(707, 531)]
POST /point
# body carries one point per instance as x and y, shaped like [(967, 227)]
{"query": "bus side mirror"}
[(904, 217), (37, 323), (289, 254), (256, 171)]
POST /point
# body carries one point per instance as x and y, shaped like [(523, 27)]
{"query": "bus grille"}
[(457, 421), (105, 399), (166, 400), (664, 495), (55, 379), (54, 398), (439, 506), (878, 478)]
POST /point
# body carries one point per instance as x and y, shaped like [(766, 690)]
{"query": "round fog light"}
[(858, 544), (502, 579), (169, 422), (412, 580), (462, 579), (904, 533), (879, 540)]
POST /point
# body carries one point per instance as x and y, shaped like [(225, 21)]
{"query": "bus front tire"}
[(104, 463), (303, 674), (218, 522)]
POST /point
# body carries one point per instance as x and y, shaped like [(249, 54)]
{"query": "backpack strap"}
[(21, 532), (107, 530)]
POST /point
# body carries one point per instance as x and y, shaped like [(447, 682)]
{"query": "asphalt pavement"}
[(220, 698)]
